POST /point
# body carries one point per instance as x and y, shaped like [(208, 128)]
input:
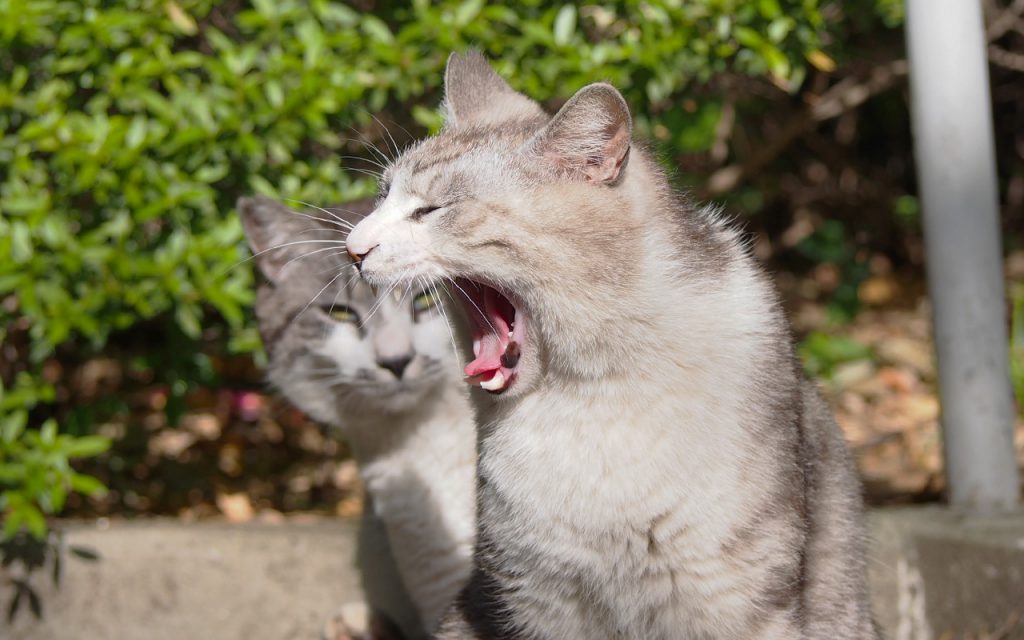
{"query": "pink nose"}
[(357, 258)]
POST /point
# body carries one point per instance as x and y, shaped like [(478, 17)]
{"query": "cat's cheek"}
[(347, 351)]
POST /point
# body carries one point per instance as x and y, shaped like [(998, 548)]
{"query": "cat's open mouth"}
[(499, 332)]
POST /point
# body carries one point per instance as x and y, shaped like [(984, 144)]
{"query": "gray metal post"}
[(953, 144)]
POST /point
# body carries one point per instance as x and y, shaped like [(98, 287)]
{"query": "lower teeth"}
[(495, 383)]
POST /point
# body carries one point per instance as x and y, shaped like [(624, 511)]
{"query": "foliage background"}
[(130, 128)]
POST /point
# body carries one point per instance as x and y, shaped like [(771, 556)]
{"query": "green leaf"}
[(86, 446), (11, 473), (377, 29), (565, 24), (34, 521), (467, 11), (14, 425), (187, 316), (87, 485), (48, 432), (274, 93), (21, 242)]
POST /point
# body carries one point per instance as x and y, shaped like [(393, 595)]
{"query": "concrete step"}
[(935, 575)]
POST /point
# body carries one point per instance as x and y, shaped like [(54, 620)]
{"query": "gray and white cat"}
[(382, 368), (653, 462)]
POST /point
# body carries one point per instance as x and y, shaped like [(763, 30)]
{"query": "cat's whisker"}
[(318, 293), (281, 246), (334, 268), (338, 218), (338, 295), (364, 159), (306, 255), (344, 224), (337, 227), (394, 144), (444, 316), (366, 172), (371, 146), (355, 276), (478, 309), (341, 232), (348, 211), (381, 298)]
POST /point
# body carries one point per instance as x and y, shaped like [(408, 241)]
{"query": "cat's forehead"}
[(458, 159)]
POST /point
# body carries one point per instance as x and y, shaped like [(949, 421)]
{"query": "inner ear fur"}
[(590, 136), (268, 224)]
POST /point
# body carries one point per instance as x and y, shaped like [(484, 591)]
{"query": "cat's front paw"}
[(350, 622), (356, 621)]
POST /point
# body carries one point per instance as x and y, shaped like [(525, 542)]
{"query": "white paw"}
[(350, 622)]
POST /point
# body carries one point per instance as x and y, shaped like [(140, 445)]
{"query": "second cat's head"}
[(336, 346)]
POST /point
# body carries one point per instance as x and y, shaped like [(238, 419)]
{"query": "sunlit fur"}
[(413, 436), (660, 468)]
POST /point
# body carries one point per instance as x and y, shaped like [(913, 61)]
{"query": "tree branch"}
[(1006, 59), (846, 95), (1005, 21)]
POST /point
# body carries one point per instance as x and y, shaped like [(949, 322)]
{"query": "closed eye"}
[(419, 213)]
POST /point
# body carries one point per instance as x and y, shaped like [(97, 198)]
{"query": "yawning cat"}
[(653, 463), (381, 368)]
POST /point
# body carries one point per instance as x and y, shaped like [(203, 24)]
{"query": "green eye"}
[(340, 313), (424, 302)]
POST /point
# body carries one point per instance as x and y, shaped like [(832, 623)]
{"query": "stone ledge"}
[(165, 580), (939, 575), (936, 575)]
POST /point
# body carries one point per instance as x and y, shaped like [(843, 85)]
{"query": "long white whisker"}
[(366, 172), (338, 295), (393, 143), (447, 322), (319, 292), (364, 159), (330, 213), (344, 224), (383, 297), (348, 211), (281, 246), (480, 311), (343, 232), (371, 146), (306, 255)]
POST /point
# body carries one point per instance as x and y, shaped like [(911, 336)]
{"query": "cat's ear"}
[(590, 135), (269, 224), (475, 95)]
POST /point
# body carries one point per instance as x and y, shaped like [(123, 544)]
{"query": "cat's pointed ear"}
[(475, 95), (269, 226), (590, 135)]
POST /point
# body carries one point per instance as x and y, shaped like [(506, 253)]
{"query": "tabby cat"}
[(653, 462), (381, 367)]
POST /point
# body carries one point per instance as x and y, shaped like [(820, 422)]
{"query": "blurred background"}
[(130, 367)]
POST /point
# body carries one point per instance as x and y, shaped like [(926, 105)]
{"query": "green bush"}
[(1017, 343), (35, 472), (130, 128)]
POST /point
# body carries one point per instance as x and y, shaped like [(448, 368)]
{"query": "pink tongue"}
[(492, 345), (489, 356)]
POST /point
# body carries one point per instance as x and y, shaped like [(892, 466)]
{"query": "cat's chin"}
[(498, 327)]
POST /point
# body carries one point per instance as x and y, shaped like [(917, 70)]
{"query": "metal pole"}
[(953, 144)]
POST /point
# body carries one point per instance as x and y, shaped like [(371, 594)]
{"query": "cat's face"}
[(517, 212), (335, 344)]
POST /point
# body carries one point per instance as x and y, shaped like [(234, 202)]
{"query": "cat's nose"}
[(396, 365), (357, 257)]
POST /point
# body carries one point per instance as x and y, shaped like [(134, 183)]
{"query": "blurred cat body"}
[(383, 370), (653, 463)]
